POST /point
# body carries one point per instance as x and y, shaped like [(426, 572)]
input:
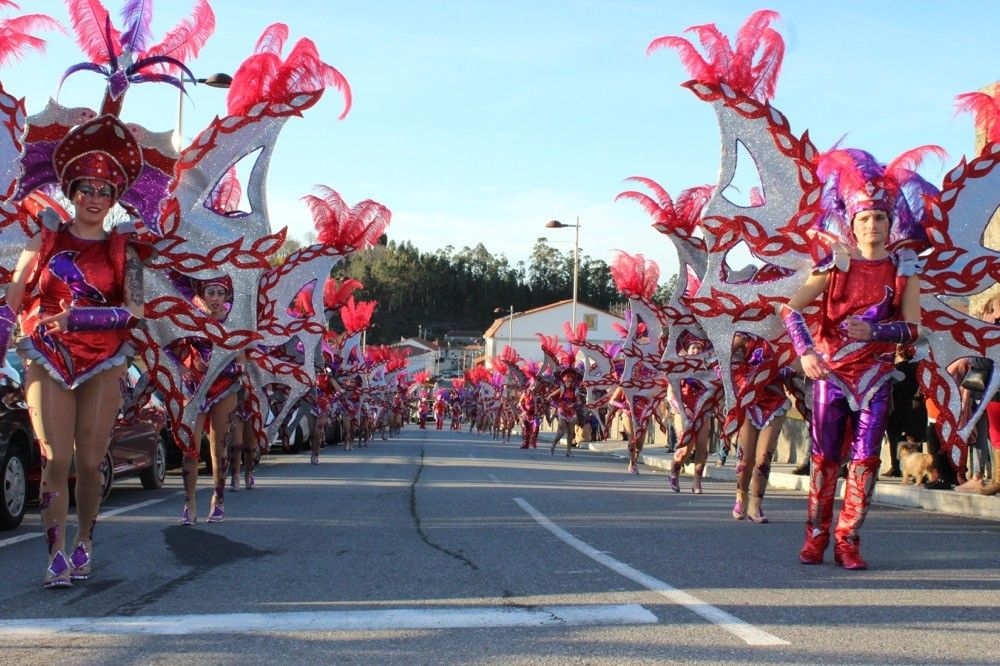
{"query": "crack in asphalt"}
[(420, 528)]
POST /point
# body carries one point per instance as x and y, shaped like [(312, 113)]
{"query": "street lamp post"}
[(556, 224), (510, 325), (219, 80)]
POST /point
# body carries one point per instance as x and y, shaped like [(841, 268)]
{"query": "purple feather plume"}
[(137, 16)]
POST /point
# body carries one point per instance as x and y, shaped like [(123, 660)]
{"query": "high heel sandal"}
[(188, 517), (251, 482), (79, 561), (57, 574), (739, 513), (758, 517), (234, 485), (215, 512)]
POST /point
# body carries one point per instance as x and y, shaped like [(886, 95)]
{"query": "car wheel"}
[(152, 478), (107, 475), (14, 486)]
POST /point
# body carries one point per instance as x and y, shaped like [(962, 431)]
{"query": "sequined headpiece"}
[(102, 149), (854, 181)]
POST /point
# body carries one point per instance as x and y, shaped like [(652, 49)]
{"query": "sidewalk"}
[(888, 491)]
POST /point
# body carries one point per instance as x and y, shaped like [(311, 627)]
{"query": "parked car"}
[(138, 446)]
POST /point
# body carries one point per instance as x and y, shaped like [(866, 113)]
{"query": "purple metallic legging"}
[(831, 414)]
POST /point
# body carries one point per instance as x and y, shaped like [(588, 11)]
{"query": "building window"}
[(591, 321)]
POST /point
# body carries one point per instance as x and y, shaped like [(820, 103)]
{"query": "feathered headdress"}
[(854, 181), (347, 229), (634, 276), (985, 110), (740, 67), (266, 77), (128, 58), (670, 216)]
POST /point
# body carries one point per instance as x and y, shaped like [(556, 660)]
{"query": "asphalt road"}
[(453, 548)]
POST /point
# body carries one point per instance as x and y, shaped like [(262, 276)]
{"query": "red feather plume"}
[(89, 19), (357, 316), (264, 76), (347, 229), (634, 276), (985, 110), (735, 66), (912, 159), (578, 336), (185, 40), (335, 295), (16, 38)]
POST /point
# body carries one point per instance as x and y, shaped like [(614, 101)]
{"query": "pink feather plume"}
[(634, 275), (264, 76), (89, 19), (739, 65), (16, 37), (185, 40), (347, 229), (913, 158)]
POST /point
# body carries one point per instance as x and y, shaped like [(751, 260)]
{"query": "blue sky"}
[(479, 121)]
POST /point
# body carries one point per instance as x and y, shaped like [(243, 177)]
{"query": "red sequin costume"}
[(83, 273)]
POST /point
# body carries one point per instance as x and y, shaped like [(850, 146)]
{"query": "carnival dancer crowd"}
[(851, 258)]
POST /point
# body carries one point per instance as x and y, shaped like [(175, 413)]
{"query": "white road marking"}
[(742, 630), (107, 514), (367, 620)]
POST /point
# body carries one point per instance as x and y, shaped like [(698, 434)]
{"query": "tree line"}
[(448, 289)]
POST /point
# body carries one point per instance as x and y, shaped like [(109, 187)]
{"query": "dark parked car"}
[(138, 446)]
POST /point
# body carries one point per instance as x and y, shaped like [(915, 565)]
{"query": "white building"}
[(424, 354), (519, 331)]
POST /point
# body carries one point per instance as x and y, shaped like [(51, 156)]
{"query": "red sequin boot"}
[(861, 477), (822, 488)]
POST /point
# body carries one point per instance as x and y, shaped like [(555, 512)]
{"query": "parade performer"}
[(423, 408), (458, 388), (528, 405), (568, 400), (758, 437), (217, 409), (440, 408), (243, 453), (870, 302), (78, 287)]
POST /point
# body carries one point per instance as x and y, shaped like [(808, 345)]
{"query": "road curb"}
[(949, 502)]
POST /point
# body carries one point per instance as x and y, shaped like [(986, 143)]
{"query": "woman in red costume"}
[(568, 400), (218, 408), (868, 296), (243, 452), (528, 405), (440, 407), (758, 436), (78, 287)]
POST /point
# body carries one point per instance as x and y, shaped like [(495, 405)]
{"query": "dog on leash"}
[(917, 466)]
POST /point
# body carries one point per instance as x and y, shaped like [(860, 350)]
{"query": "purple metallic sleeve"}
[(99, 319), (795, 324), (902, 332)]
